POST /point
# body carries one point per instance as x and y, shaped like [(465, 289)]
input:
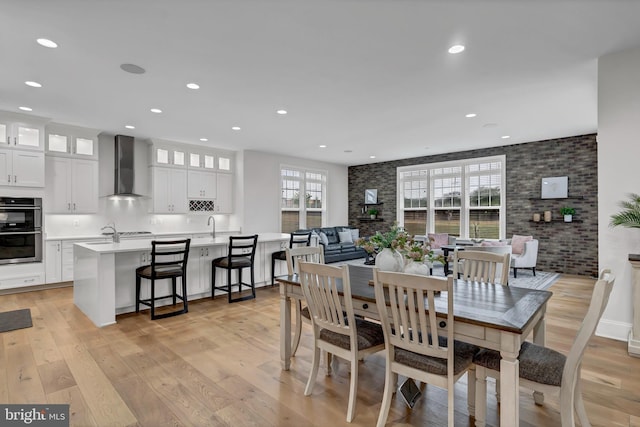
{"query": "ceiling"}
[(363, 77)]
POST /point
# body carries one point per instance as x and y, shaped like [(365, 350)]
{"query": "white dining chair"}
[(293, 257), (481, 266), (545, 370), (336, 330), (418, 345)]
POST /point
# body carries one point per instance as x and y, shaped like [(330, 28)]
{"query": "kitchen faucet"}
[(213, 229), (116, 235)]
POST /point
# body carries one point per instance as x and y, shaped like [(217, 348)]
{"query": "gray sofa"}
[(336, 249)]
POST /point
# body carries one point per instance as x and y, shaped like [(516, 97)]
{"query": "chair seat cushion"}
[(238, 262), (369, 335), (281, 255), (161, 272), (463, 358), (539, 364)]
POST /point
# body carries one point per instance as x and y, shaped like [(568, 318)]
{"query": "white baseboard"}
[(615, 330)]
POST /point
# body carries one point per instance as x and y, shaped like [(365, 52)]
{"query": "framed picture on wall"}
[(370, 197), (555, 187)]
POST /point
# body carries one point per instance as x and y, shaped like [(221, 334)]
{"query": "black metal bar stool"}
[(242, 252), (298, 238), (168, 261)]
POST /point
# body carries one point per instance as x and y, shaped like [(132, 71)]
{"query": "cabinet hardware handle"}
[(15, 179), (29, 280), (68, 206), (8, 178), (74, 206), (207, 251)]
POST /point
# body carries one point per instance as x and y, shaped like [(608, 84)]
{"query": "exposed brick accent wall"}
[(570, 248)]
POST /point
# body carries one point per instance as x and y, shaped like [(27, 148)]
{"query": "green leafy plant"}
[(366, 245), (630, 214), (373, 212), (566, 210), (395, 238)]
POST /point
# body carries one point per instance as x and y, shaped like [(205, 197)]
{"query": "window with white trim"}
[(303, 198), (462, 198)]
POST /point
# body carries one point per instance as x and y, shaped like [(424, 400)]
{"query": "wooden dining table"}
[(492, 316)]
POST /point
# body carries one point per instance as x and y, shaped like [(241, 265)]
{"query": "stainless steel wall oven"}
[(20, 230)]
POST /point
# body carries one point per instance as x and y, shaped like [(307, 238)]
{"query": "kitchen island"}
[(104, 272)]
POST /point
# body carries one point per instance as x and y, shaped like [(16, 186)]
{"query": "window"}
[(303, 198), (461, 198)]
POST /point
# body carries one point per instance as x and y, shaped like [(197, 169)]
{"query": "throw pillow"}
[(438, 240), (355, 234), (324, 239), (345, 236), (517, 243)]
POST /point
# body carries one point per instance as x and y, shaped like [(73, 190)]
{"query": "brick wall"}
[(570, 248)]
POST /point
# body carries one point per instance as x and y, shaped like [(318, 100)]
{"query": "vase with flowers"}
[(420, 258), (387, 246)]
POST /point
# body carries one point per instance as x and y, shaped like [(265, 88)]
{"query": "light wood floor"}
[(219, 365)]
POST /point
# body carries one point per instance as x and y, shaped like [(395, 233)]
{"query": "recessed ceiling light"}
[(282, 112), (456, 48), (156, 110), (490, 125), (129, 126), (47, 43), (25, 108), (427, 148), (470, 115), (193, 85), (203, 139), (372, 157), (132, 68), (32, 84), (236, 128), (348, 151), (505, 137), (322, 146)]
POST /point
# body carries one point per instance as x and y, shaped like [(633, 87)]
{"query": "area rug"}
[(17, 319), (541, 281)]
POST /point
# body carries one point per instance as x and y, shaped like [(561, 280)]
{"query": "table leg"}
[(509, 388), (285, 328), (540, 339)]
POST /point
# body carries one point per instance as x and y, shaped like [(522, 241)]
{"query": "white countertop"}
[(144, 236), (144, 244)]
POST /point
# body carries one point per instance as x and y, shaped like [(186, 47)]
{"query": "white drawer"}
[(21, 281)]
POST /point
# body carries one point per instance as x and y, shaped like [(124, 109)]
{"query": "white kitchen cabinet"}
[(21, 134), (72, 185), (53, 261), (169, 190), (65, 140), (199, 270), (21, 168), (21, 275), (224, 193), (125, 275), (201, 184)]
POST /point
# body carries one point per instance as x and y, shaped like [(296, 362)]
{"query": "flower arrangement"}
[(395, 238), (418, 251), (366, 245)]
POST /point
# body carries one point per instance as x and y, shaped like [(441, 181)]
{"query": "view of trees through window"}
[(459, 198), (302, 199)]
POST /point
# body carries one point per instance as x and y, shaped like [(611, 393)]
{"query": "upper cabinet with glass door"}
[(23, 132), (71, 141), (164, 153)]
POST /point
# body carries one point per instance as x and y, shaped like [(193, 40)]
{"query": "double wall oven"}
[(20, 230)]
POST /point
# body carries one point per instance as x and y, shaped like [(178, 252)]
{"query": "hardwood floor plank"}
[(55, 376), (79, 413), (23, 380)]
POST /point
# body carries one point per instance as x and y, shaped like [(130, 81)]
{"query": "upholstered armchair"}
[(526, 259)]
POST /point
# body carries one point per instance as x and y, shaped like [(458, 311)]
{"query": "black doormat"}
[(17, 319)]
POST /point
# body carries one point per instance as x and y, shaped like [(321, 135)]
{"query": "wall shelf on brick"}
[(370, 220), (564, 198)]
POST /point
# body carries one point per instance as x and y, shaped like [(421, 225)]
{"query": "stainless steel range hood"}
[(124, 167)]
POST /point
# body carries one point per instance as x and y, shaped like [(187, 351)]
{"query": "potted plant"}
[(373, 213), (630, 214), (568, 213)]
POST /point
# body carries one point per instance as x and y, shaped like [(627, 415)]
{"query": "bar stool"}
[(242, 252), (298, 238), (168, 261)]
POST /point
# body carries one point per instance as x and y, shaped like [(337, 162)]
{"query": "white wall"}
[(260, 198), (618, 175)]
